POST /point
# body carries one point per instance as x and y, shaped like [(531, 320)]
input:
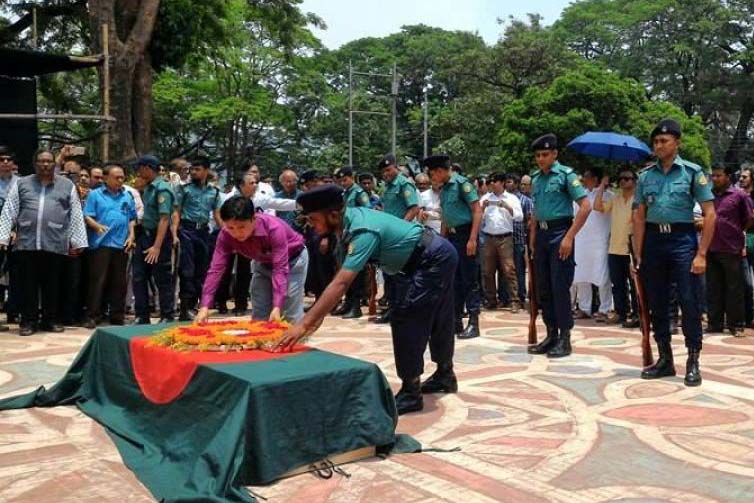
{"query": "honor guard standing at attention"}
[(355, 197), (422, 264), (552, 229), (666, 247), (154, 245), (400, 200), (195, 202), (461, 218)]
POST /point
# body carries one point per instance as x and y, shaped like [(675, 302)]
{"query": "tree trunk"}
[(121, 137), (143, 105), (738, 142)]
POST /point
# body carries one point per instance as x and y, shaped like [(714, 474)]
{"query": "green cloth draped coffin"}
[(233, 424)]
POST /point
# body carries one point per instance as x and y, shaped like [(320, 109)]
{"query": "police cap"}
[(309, 175), (148, 160), (344, 171), (545, 142), (322, 198), (388, 160), (366, 176), (667, 126), (436, 162)]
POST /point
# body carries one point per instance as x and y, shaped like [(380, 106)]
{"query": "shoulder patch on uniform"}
[(160, 199), (407, 193), (701, 179), (467, 187), (350, 248), (576, 182)]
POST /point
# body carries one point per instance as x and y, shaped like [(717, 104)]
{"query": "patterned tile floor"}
[(581, 429)]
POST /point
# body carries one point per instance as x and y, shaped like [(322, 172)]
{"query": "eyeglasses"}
[(6, 158)]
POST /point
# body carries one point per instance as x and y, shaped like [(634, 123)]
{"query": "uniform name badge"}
[(650, 199)]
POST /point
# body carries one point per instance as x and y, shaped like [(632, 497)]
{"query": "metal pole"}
[(106, 90), (350, 113), (426, 108), (34, 27), (395, 105)]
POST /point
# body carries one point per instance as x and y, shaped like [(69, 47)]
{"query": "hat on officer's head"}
[(148, 160), (545, 142), (366, 176), (309, 175), (344, 171), (388, 160), (322, 198), (667, 126), (436, 162)]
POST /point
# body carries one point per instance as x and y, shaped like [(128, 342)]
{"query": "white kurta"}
[(591, 246)]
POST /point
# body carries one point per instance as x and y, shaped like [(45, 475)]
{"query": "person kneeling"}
[(423, 264), (279, 267)]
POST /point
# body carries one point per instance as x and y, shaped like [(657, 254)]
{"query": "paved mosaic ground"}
[(581, 429)]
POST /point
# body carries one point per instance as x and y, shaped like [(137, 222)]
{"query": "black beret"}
[(344, 171), (148, 160), (436, 161), (667, 126), (309, 175), (388, 160), (546, 142), (324, 197)]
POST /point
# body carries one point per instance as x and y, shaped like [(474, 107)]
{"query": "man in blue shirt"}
[(110, 215), (289, 181)]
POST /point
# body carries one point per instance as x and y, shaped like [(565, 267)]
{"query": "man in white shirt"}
[(265, 194), (429, 201), (501, 209), (590, 252)]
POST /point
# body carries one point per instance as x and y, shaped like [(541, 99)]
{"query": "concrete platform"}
[(579, 429)]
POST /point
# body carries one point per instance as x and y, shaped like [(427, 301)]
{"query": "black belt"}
[(499, 236), (670, 228), (412, 264), (466, 228), (188, 224), (553, 225)]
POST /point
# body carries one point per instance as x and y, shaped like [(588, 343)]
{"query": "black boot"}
[(472, 329), (354, 310), (458, 327), (384, 318), (562, 347), (693, 374), (409, 397), (184, 315), (342, 309), (546, 345), (664, 366), (442, 381)]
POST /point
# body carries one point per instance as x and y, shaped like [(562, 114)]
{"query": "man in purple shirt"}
[(279, 267), (725, 284)]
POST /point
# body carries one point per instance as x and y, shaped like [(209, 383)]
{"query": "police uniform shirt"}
[(456, 198), (375, 235), (356, 196), (670, 197), (197, 202), (554, 193), (399, 196), (158, 201)]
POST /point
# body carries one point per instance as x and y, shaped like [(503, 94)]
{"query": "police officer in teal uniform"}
[(555, 188), (422, 264), (401, 200), (666, 246), (461, 218), (355, 197), (195, 202), (154, 245)]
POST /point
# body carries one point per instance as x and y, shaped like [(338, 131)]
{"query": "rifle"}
[(533, 303), (641, 297)]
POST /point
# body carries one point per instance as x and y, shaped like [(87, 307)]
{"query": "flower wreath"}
[(229, 335)]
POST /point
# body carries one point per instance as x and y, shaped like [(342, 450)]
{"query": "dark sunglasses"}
[(5, 158)]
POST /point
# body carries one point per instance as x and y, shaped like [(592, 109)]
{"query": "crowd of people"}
[(81, 247)]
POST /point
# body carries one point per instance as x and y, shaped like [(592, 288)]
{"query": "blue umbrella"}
[(612, 146)]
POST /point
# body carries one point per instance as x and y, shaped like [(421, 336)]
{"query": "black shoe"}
[(546, 345), (562, 348), (89, 324), (51, 327), (472, 329), (409, 397), (184, 314), (693, 374), (489, 306), (712, 329), (664, 366), (385, 318), (631, 323), (26, 330), (141, 321), (167, 320), (341, 309), (458, 327), (354, 312), (442, 381)]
